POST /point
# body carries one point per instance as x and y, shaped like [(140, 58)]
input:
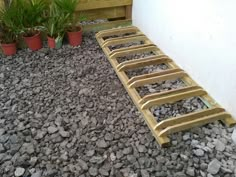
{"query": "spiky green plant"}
[(9, 22), (68, 7), (56, 22), (32, 15)]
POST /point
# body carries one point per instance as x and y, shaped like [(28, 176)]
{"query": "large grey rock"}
[(214, 167)]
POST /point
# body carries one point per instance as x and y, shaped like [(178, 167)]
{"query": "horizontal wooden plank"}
[(134, 51), (166, 93), (99, 4), (106, 13), (173, 98), (194, 123), (155, 77), (113, 52), (107, 25), (125, 40), (187, 117), (151, 60)]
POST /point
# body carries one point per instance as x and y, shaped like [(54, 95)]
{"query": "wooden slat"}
[(187, 117), (173, 98), (150, 60), (117, 31), (133, 51), (194, 123), (156, 77), (106, 25), (95, 14), (125, 40), (168, 92), (113, 52), (91, 4)]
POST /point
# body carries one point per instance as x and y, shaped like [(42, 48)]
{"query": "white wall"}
[(200, 35)]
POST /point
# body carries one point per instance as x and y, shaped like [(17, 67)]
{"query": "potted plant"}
[(74, 30), (55, 25), (9, 28), (32, 16)]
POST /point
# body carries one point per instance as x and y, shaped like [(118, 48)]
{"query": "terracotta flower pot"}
[(9, 49), (34, 42), (75, 38), (52, 43)]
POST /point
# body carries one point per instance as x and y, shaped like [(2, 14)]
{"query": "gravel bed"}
[(64, 113), (146, 70), (158, 87), (129, 44), (179, 108), (135, 56)]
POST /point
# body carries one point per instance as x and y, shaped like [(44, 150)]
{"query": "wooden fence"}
[(118, 12)]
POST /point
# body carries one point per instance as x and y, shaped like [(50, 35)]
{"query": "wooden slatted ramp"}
[(121, 46)]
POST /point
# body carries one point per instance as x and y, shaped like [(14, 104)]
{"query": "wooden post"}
[(128, 12)]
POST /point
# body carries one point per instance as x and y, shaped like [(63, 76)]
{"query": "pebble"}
[(37, 174), (190, 171), (214, 167), (219, 146), (186, 137), (64, 134), (19, 171), (101, 143), (93, 171), (52, 129), (198, 152)]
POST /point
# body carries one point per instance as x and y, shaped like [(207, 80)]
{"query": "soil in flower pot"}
[(34, 42), (54, 43), (75, 36), (9, 49)]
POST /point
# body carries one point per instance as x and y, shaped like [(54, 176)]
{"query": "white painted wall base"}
[(234, 136), (200, 36)]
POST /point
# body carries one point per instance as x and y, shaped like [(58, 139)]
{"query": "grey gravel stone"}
[(186, 137), (2, 131), (198, 152), (37, 174), (52, 129), (144, 173), (101, 143), (103, 172), (64, 134), (2, 149), (190, 171), (214, 167), (19, 171), (93, 171), (219, 146)]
